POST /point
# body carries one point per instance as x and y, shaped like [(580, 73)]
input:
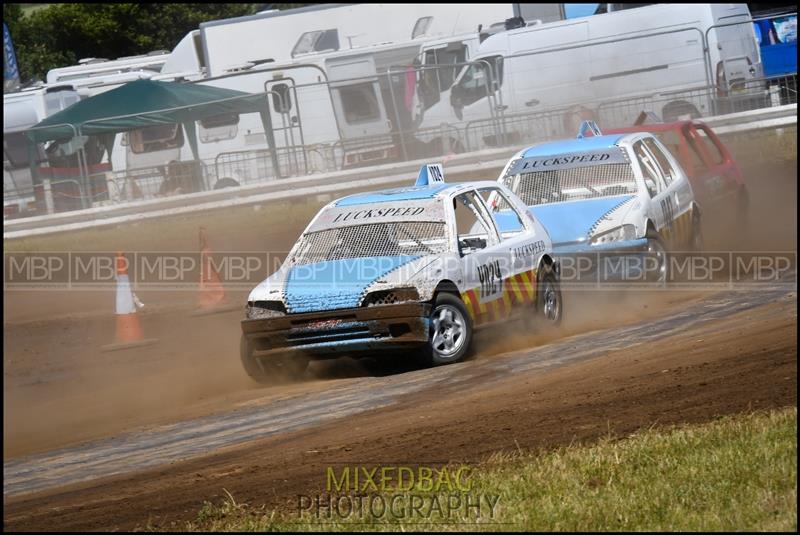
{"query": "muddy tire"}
[(656, 249), (549, 303), (450, 334), (274, 371)]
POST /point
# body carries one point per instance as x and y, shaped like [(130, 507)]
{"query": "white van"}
[(608, 66)]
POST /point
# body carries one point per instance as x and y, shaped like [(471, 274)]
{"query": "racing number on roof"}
[(435, 173)]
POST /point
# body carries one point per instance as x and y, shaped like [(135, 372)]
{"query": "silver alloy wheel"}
[(655, 247), (552, 303), (449, 330)]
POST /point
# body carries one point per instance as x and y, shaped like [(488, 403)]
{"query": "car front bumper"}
[(333, 333)]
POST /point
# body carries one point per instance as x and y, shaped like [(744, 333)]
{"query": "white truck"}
[(607, 66)]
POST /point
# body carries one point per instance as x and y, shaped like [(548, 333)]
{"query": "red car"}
[(716, 179)]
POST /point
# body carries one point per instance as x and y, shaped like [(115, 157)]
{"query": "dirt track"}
[(694, 364), (661, 358)]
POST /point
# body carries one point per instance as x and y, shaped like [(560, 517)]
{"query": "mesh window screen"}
[(573, 184), (373, 239)]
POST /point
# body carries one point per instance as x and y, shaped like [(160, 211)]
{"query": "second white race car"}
[(609, 194)]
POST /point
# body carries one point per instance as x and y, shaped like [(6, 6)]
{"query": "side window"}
[(667, 171), (649, 169), (156, 138), (281, 98), (451, 55), (473, 234), (506, 218), (441, 67), (698, 163), (421, 26), (475, 82), (218, 127), (711, 148), (359, 102), (429, 81), (316, 41)]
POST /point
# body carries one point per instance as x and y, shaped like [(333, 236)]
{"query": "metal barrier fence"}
[(317, 126)]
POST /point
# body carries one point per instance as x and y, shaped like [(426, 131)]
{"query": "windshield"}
[(572, 184), (396, 238)]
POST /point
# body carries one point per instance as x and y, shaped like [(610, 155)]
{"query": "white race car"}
[(608, 193), (414, 268)]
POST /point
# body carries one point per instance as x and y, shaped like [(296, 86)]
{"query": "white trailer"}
[(223, 46), (591, 62), (328, 110), (100, 67)]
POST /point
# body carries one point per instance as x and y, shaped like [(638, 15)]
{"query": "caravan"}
[(224, 46), (327, 110), (22, 110)]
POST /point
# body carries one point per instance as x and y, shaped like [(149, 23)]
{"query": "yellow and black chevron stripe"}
[(679, 233), (518, 290)]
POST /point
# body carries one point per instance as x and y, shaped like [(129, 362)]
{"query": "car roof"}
[(566, 146), (411, 193)]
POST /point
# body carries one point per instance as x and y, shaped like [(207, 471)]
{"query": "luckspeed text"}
[(398, 493)]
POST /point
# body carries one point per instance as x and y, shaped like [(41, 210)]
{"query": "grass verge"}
[(735, 473)]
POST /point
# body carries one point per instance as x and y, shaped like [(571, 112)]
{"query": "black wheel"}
[(273, 371), (656, 261), (549, 304), (451, 331)]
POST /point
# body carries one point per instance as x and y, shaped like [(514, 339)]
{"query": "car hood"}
[(576, 221), (336, 284)]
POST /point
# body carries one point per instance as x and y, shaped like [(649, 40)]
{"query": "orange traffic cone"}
[(129, 332), (211, 294)]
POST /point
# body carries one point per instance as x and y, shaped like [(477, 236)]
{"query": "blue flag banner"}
[(10, 70)]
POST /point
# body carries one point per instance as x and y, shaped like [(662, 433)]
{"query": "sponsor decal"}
[(529, 249), (355, 215), (380, 212), (567, 161)]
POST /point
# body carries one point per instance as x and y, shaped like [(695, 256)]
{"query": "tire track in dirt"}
[(187, 439)]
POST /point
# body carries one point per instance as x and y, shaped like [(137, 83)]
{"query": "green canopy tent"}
[(144, 103)]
